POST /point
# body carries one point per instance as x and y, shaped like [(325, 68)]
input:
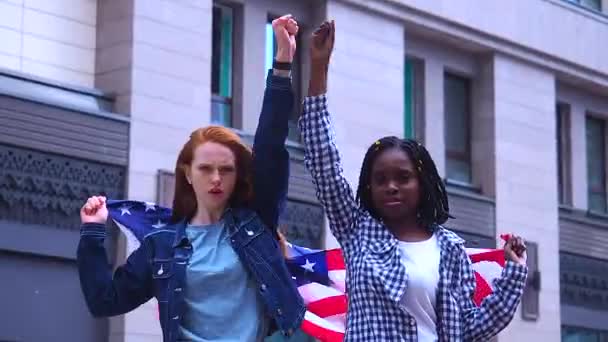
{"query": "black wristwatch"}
[(281, 65)]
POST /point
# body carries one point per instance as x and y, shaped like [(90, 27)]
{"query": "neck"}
[(408, 229), (206, 215)]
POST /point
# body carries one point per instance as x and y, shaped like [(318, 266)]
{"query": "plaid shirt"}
[(376, 279)]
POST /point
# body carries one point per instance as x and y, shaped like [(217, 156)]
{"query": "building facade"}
[(510, 98)]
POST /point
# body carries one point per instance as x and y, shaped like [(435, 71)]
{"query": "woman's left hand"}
[(515, 250)]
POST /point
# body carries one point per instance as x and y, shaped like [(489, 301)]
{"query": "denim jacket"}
[(158, 267)]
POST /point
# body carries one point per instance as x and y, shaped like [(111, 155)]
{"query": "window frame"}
[(467, 156), (564, 152), (604, 146), (413, 98), (224, 62)]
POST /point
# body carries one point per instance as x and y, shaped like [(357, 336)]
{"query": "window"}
[(596, 164), (563, 152), (271, 50), (591, 4), (457, 102), (412, 121), (221, 65), (575, 334)]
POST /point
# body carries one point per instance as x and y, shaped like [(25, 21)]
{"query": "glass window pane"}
[(593, 4), (216, 49), (221, 65), (409, 116), (458, 170), (226, 52), (221, 111), (457, 130), (560, 171), (269, 48), (456, 109), (596, 164)]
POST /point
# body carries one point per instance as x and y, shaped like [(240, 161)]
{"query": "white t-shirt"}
[(421, 260)]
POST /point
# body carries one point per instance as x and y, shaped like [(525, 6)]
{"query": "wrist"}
[(281, 73), (283, 56)]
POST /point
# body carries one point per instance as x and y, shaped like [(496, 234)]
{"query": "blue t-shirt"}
[(221, 300)]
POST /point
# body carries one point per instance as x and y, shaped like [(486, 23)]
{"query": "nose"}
[(215, 178), (392, 188)]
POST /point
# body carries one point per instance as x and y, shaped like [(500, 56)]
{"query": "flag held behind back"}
[(319, 274)]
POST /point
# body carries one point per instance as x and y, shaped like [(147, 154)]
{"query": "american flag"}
[(319, 274)]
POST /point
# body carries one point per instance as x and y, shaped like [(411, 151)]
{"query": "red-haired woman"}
[(217, 271)]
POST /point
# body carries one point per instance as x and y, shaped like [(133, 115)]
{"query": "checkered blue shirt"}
[(376, 279)]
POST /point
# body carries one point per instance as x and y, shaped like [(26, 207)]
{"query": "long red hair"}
[(184, 200)]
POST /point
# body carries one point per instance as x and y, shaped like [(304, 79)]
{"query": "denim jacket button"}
[(178, 289), (279, 312), (176, 317), (263, 287)]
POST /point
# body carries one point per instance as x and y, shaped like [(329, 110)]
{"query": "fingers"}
[(516, 244), (287, 22), (93, 204)]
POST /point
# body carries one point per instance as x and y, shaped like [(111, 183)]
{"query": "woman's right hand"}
[(94, 210)]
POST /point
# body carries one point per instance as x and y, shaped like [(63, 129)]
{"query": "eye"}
[(227, 169), (205, 168), (404, 176), (378, 178)]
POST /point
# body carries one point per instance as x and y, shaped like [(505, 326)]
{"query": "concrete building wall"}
[(526, 187), (51, 39)]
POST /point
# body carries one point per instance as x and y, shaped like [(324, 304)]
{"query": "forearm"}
[(270, 156), (318, 79)]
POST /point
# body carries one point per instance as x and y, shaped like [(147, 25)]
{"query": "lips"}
[(216, 191), (392, 202)]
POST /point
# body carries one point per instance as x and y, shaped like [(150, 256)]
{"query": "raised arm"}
[(104, 293), (270, 156), (496, 310), (322, 157)]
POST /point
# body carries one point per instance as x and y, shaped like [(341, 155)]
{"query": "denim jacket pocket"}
[(162, 268)]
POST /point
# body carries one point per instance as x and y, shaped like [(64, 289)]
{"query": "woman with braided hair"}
[(408, 278)]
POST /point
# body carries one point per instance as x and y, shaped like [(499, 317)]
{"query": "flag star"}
[(159, 224), (124, 210), (150, 206), (309, 266)]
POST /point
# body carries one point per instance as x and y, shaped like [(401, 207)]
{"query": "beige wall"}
[(526, 186), (529, 23), (365, 83), (52, 39)]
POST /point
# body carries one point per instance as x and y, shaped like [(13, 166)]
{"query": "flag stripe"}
[(329, 306)]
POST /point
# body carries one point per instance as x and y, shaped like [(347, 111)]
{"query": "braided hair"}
[(433, 207)]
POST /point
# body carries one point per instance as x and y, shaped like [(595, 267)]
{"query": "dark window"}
[(457, 102), (221, 65), (596, 164), (413, 113), (563, 152), (576, 334)]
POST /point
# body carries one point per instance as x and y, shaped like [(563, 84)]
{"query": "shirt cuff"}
[(93, 229), (315, 104), (515, 272), (277, 82)]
